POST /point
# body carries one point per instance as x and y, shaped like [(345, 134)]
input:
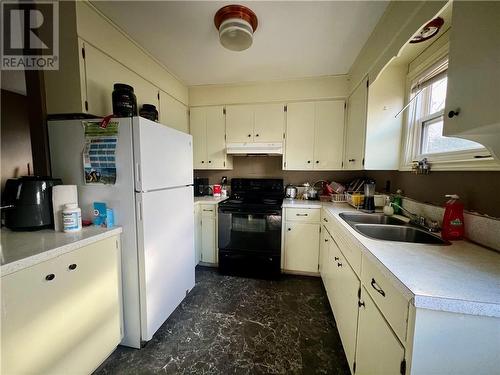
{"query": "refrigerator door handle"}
[(140, 210), (138, 172)]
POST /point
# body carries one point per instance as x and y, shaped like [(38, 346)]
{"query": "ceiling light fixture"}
[(428, 31), (236, 25)]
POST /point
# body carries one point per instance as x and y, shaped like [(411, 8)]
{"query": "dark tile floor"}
[(231, 325)]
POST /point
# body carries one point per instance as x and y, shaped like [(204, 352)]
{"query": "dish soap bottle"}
[(398, 201), (453, 219)]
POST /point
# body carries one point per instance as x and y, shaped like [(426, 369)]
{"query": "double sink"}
[(388, 228)]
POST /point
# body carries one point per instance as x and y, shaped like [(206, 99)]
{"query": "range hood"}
[(254, 148)]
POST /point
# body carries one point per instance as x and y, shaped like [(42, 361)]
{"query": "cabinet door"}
[(198, 122), (208, 238), (299, 136), (102, 72), (173, 113), (301, 247), (346, 285), (355, 127), (269, 123), (329, 135), (474, 72), (68, 324), (378, 351), (239, 123), (323, 253), (197, 233), (216, 138)]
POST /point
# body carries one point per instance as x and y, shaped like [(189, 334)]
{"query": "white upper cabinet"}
[(173, 113), (474, 74), (209, 144), (198, 125), (102, 72), (329, 135), (255, 123), (355, 127), (299, 140), (314, 135), (269, 122), (239, 121)]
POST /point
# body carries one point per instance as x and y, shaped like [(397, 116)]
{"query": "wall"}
[(15, 136), (329, 87), (383, 132), (270, 167), (401, 20), (479, 191)]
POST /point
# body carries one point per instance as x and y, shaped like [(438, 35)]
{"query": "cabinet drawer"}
[(391, 302), (303, 214), (348, 245), (208, 209)]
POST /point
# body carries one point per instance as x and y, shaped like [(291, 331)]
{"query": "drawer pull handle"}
[(72, 266), (377, 287), (289, 229), (301, 214), (361, 303), (339, 264), (50, 277), (324, 219), (326, 239), (208, 210), (336, 258)]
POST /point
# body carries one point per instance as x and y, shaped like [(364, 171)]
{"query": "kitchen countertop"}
[(463, 277), (208, 199), (301, 203), (25, 249)]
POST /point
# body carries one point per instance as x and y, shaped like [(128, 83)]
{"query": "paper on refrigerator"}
[(99, 153)]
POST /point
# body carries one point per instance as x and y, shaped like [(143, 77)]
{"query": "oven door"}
[(255, 232)]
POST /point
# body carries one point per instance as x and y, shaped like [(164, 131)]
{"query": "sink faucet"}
[(421, 221)]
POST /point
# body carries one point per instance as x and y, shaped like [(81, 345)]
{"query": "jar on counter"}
[(149, 111), (124, 100), (72, 218)]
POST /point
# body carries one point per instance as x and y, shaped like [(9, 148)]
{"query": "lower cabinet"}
[(345, 287), (206, 232), (378, 350), (62, 316), (301, 245), (197, 233)]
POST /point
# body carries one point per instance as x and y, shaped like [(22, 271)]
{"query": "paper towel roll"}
[(62, 194)]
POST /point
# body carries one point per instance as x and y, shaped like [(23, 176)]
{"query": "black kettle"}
[(27, 202)]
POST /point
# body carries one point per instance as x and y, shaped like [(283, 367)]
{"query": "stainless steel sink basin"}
[(353, 218), (399, 233)]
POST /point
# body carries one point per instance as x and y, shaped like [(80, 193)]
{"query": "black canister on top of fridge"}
[(124, 100), (149, 111)]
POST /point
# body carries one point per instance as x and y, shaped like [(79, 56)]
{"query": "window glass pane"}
[(434, 142), (438, 95)]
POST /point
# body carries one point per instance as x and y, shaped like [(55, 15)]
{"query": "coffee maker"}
[(201, 186), (369, 202)]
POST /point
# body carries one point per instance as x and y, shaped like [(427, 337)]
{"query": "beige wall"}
[(330, 87), (270, 167), (401, 20)]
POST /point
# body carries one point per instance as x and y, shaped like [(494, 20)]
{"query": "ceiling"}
[(294, 39)]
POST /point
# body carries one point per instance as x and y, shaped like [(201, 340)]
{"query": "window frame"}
[(472, 159)]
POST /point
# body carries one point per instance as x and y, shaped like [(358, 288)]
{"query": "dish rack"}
[(339, 198), (355, 199)]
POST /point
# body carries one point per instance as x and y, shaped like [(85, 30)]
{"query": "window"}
[(425, 120), (429, 95)]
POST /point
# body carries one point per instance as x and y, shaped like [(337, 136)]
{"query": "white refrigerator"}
[(152, 200)]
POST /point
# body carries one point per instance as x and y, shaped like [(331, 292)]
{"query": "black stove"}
[(250, 228)]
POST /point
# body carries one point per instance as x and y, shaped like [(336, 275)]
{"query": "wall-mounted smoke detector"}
[(428, 31), (236, 25)]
